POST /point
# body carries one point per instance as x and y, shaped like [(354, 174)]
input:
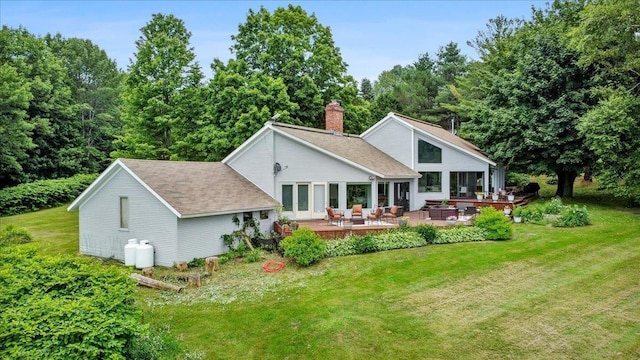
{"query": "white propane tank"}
[(130, 252), (144, 255)]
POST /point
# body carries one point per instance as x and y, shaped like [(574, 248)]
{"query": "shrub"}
[(341, 247), (304, 246), (460, 234), (553, 206), (497, 226), (42, 194), (573, 216), (390, 240), (398, 240), (253, 256), (532, 213), (428, 232), (518, 211), (12, 235), (65, 308), (364, 244), (196, 262)]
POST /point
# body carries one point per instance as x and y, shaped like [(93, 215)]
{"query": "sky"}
[(373, 36)]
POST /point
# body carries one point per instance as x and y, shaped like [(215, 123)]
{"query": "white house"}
[(450, 167), (182, 208), (398, 161)]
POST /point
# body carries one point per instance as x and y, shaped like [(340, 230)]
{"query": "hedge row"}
[(65, 308), (42, 194)]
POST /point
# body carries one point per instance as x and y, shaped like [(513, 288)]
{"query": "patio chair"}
[(356, 211), (375, 216), (334, 217), (392, 214)]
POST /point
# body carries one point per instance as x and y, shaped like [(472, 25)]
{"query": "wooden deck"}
[(332, 231)]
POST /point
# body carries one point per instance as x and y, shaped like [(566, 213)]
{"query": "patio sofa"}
[(441, 213)]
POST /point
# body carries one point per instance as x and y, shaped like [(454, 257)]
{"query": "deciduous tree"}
[(529, 96), (162, 93), (293, 46)]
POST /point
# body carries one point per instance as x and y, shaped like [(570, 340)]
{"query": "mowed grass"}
[(548, 293), (55, 230)]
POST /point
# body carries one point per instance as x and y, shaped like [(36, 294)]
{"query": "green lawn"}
[(549, 293)]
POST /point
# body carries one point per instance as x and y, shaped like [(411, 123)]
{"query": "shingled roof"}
[(439, 132), (197, 188), (350, 148)]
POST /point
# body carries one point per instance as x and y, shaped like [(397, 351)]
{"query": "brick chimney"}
[(333, 116)]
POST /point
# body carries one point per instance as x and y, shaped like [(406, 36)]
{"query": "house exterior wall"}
[(202, 237), (256, 163), (303, 164), (453, 160), (149, 219), (393, 138)]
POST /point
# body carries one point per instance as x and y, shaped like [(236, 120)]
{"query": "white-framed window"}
[(287, 197), (359, 194), (124, 212), (334, 196)]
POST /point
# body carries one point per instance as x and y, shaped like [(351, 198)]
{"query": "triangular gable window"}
[(428, 154)]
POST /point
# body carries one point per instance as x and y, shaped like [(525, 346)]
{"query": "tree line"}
[(556, 94)]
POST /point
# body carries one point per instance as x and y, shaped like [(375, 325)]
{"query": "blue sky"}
[(373, 36)]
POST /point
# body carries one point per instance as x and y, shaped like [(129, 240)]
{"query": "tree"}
[(293, 46), (95, 83), (612, 130), (488, 41), (449, 65), (240, 102), (366, 89), (528, 96), (162, 95), (606, 38), (14, 127), (53, 130)]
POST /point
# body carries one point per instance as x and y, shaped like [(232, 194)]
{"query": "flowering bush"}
[(452, 217)]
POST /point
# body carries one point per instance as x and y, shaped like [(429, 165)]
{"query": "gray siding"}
[(149, 219), (301, 163), (453, 160), (201, 237), (256, 163), (394, 139)]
